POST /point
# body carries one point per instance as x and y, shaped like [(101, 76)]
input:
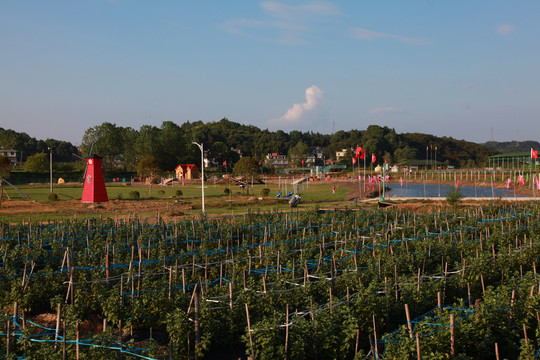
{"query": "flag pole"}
[(533, 184), (383, 180), (364, 173)]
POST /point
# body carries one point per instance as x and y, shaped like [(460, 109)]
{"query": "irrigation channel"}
[(379, 284)]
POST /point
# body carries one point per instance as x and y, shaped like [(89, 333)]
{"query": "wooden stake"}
[(170, 281), (183, 281), (249, 332), (418, 354), (58, 320), (8, 334), (197, 327), (357, 341), (452, 337), (77, 346), (512, 307), (375, 337), (64, 353), (409, 324), (287, 330)]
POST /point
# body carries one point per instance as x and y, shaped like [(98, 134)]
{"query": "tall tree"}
[(37, 163), (148, 167), (172, 147), (105, 141), (246, 166), (298, 152)]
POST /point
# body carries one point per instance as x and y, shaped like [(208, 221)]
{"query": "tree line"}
[(226, 141)]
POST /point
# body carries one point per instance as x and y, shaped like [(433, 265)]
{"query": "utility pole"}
[(201, 146), (50, 168)]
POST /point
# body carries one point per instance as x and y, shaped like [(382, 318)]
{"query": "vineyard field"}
[(456, 282)]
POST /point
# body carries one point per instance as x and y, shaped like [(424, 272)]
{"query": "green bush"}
[(119, 196), (161, 192), (453, 197), (178, 192), (226, 191), (53, 197), (134, 195), (265, 192)]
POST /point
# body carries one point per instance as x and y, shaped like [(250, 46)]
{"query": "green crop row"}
[(318, 284)]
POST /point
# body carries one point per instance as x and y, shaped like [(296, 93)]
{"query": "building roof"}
[(186, 166), (507, 155)]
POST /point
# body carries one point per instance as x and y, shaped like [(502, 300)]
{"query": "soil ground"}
[(169, 208)]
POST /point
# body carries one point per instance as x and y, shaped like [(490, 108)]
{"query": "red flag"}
[(225, 163), (302, 162), (363, 154), (373, 158), (534, 153), (386, 162), (354, 161), (358, 151)]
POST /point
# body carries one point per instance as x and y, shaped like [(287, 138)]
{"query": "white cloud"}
[(505, 29), (287, 24), (295, 12), (364, 34), (298, 111), (382, 111)]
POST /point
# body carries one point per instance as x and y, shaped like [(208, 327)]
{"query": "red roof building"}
[(186, 171)]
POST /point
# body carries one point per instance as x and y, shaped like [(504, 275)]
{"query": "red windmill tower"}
[(94, 183)]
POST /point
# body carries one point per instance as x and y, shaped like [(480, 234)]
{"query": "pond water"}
[(436, 190)]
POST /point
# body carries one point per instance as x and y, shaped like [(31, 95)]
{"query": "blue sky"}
[(466, 69)]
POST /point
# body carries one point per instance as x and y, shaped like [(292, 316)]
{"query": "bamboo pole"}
[(418, 354), (197, 325), (375, 338), (409, 324), (8, 340), (249, 332), (452, 337), (58, 320), (77, 345), (286, 331), (64, 350)]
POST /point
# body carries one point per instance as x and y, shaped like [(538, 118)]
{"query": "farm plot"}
[(315, 285)]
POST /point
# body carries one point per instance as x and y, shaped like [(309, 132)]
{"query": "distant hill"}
[(512, 146)]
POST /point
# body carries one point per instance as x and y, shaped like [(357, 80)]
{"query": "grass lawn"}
[(165, 200)]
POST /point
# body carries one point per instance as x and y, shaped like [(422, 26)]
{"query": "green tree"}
[(130, 156), (246, 166), (298, 152), (148, 142), (172, 145), (37, 163), (148, 167), (105, 140), (5, 165), (404, 154)]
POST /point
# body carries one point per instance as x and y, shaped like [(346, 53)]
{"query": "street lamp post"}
[(50, 168), (201, 146)]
